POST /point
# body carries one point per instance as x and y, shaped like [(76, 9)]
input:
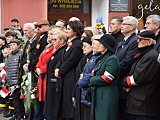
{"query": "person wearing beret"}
[(10, 35), (9, 28), (2, 46), (85, 76), (143, 80), (66, 66), (87, 54), (104, 81), (2, 41)]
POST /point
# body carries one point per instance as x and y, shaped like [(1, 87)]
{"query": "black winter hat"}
[(148, 34), (2, 37), (109, 42), (8, 28), (15, 41), (11, 33), (87, 40)]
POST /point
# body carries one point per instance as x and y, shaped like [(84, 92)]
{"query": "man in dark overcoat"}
[(126, 50), (36, 48)]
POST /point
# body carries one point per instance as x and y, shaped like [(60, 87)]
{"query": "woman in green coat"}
[(104, 82)]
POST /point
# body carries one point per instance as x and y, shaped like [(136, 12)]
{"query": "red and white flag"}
[(4, 92), (2, 66), (3, 74)]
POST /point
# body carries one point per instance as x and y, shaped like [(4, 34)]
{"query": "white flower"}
[(33, 96), (26, 82)]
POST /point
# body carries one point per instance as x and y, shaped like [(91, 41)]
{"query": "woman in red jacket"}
[(41, 70), (41, 66)]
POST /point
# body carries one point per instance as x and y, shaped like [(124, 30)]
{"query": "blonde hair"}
[(60, 32)]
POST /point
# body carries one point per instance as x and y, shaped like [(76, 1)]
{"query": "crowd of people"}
[(70, 72)]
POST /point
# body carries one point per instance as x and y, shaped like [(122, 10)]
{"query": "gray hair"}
[(153, 41), (31, 25), (155, 18), (132, 20), (74, 18)]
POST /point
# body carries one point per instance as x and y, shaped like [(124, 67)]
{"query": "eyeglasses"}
[(126, 24), (148, 23), (38, 26)]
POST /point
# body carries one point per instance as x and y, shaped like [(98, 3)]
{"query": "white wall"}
[(100, 8)]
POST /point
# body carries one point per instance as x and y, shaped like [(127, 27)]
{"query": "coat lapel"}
[(101, 62)]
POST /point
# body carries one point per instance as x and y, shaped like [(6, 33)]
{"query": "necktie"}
[(27, 44), (123, 41)]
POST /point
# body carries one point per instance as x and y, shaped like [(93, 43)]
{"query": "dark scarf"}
[(143, 51)]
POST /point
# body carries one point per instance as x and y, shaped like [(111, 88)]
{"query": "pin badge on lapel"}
[(27, 50), (37, 46), (69, 45), (52, 57)]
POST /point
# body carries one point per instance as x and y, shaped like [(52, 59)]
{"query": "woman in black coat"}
[(87, 51), (53, 91), (66, 67)]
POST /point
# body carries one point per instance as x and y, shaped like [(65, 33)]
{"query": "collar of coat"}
[(101, 60)]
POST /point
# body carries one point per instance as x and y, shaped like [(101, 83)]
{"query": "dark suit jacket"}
[(157, 45), (125, 53), (37, 47)]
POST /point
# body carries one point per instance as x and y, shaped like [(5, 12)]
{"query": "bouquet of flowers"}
[(28, 91)]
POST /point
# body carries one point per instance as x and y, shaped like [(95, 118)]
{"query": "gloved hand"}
[(124, 83)]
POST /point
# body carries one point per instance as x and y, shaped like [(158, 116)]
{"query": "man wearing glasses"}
[(126, 50), (153, 24), (142, 82)]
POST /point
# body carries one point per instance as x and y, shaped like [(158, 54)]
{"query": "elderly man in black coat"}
[(35, 49), (143, 80)]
